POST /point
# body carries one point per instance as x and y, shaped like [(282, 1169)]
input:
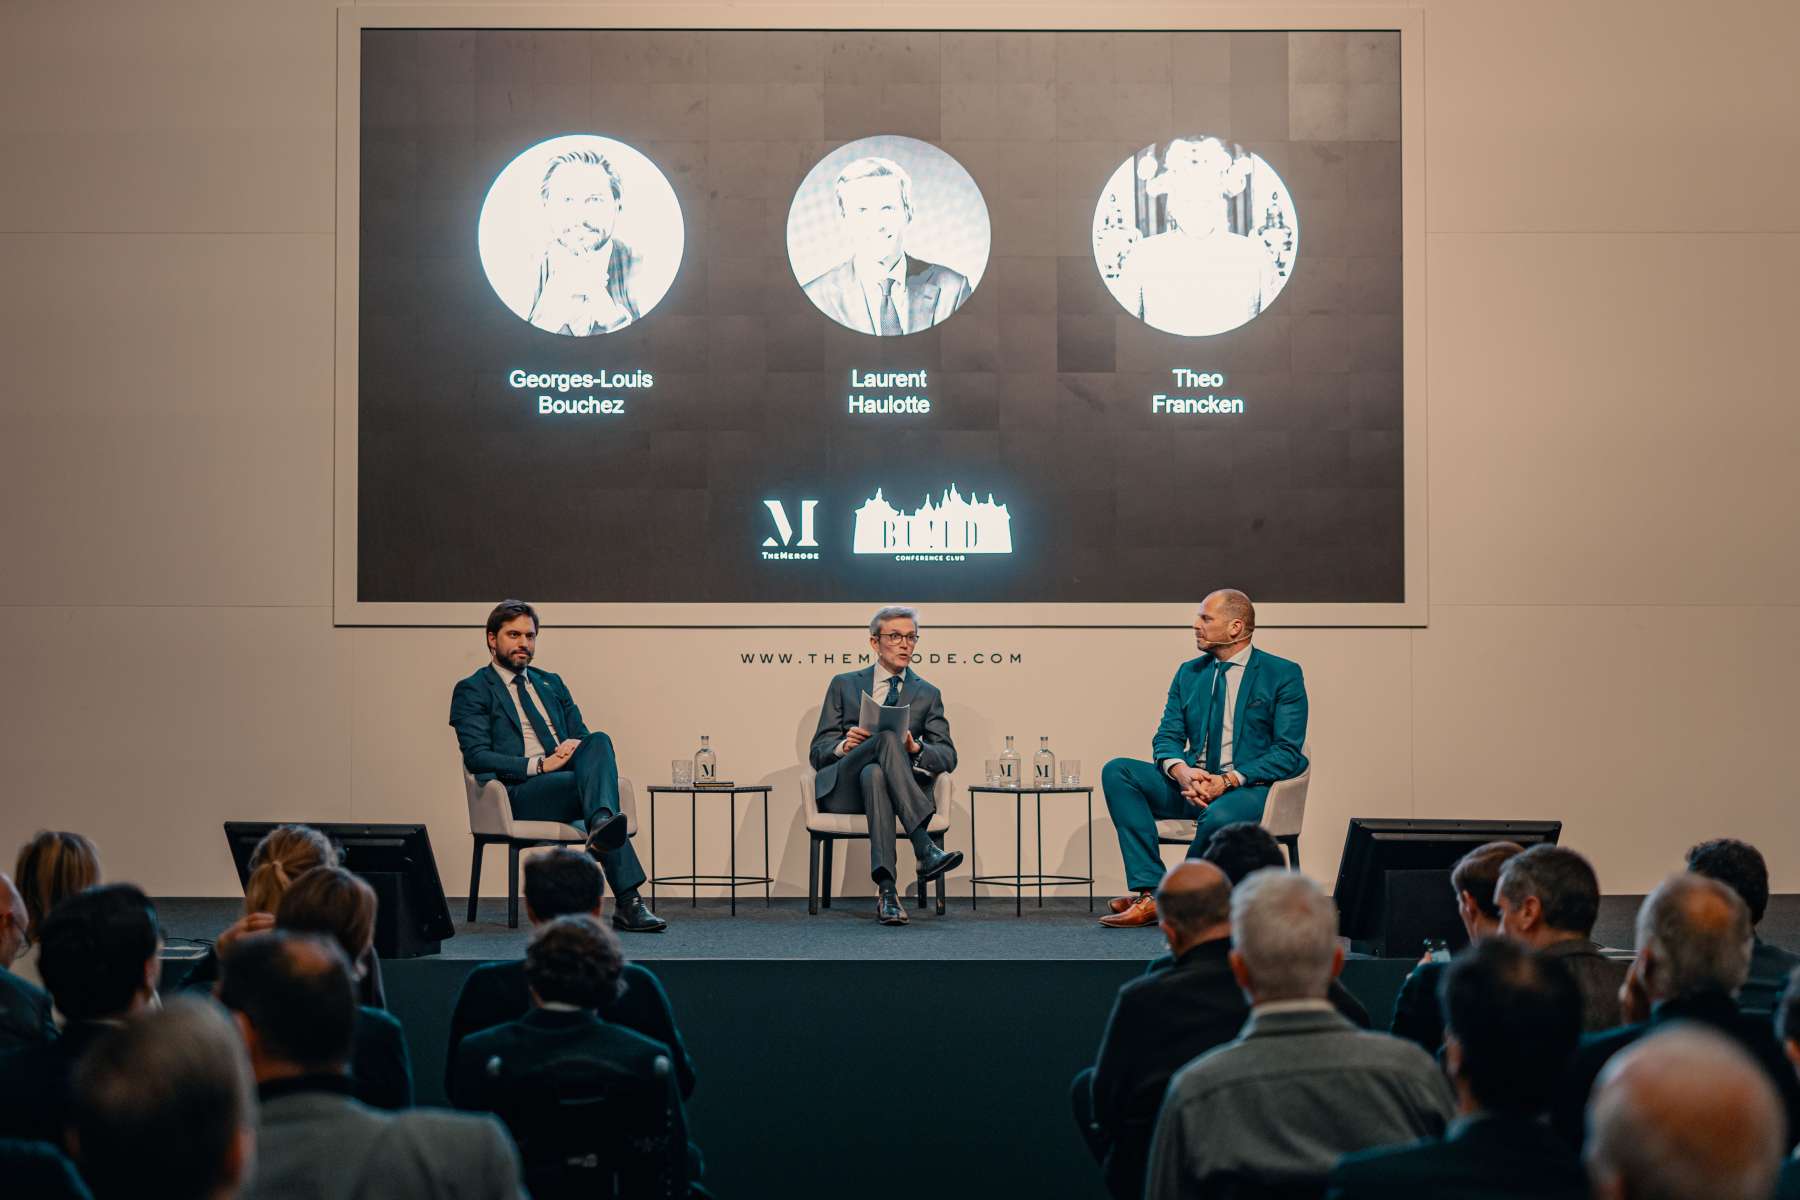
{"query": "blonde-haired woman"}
[(51, 867)]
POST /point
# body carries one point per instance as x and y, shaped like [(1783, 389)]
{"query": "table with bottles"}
[(1008, 776), (696, 778)]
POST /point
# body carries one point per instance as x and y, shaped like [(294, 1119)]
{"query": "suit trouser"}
[(1138, 795), (585, 790), (878, 778)]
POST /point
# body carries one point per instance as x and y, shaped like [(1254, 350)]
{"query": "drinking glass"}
[(1071, 772), (993, 771), (681, 771)]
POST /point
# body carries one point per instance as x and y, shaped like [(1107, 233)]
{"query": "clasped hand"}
[(1199, 787), (559, 757)]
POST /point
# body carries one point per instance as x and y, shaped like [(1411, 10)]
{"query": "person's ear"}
[(239, 1156), (1531, 914), (153, 973), (1337, 960), (1791, 1048), (531, 916), (1240, 970), (1453, 1056)]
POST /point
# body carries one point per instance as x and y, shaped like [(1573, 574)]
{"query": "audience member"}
[(24, 1006), (572, 968), (1549, 899), (1787, 1028), (1301, 1086), (98, 952), (1693, 952), (295, 1004), (1418, 1016), (1513, 1018), (51, 868), (332, 902), (1740, 867), (561, 883), (1683, 1115), (1245, 847), (162, 1105)]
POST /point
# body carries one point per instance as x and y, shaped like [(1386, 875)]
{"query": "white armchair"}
[(491, 822), (825, 829), (1283, 812)]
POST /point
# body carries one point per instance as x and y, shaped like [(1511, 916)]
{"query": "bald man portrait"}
[(1234, 723)]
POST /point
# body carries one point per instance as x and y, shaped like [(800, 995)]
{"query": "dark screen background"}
[(1040, 384)]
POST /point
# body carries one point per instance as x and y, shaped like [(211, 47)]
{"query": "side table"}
[(1019, 880), (693, 878)]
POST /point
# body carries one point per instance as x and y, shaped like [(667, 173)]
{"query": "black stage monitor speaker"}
[(412, 917), (1393, 886)]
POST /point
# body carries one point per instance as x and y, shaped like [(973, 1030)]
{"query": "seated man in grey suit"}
[(518, 724), (880, 288), (296, 1008), (1301, 1086), (884, 776)]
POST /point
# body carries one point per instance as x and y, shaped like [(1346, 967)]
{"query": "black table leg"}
[(694, 847), (1039, 797), (652, 796), (974, 862), (731, 833), (1018, 853), (768, 880), (1090, 841)]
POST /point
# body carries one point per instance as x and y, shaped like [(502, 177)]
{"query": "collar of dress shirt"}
[(1240, 658), (882, 675), (507, 674)]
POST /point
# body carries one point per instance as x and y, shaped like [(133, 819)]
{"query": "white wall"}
[(1612, 191)]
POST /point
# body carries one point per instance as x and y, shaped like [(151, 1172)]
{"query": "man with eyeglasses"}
[(882, 775)]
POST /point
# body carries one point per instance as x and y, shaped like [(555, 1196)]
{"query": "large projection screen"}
[(671, 322)]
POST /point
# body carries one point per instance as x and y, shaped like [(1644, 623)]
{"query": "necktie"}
[(893, 696), (890, 316), (545, 738), (1215, 725)]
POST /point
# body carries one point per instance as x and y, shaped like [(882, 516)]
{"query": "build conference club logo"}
[(948, 528)]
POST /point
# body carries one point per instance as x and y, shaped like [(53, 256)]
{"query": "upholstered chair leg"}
[(812, 876), (512, 885), (825, 875), (475, 878)]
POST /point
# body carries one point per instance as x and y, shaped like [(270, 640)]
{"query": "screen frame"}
[(348, 610)]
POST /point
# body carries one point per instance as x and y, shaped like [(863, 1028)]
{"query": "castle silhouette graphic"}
[(952, 524)]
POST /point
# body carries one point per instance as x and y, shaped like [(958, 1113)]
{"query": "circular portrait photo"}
[(888, 235), (1195, 237), (581, 235)]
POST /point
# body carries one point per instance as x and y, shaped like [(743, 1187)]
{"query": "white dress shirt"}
[(1234, 678), (871, 284), (534, 749)]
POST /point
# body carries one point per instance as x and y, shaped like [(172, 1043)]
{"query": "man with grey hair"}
[(24, 1007), (1683, 1115), (1301, 1086), (1693, 954), (1234, 723), (880, 288), (1549, 899), (882, 775)]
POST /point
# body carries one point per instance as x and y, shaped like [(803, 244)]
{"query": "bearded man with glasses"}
[(883, 775)]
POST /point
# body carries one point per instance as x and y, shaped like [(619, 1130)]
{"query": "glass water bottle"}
[(1043, 765), (706, 763), (1009, 765)]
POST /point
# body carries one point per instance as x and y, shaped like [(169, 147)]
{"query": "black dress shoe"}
[(632, 915), (608, 835), (888, 909), (938, 862)]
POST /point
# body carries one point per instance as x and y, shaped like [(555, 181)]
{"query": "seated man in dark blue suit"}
[(561, 883), (24, 1007), (1234, 723), (1512, 1019), (518, 724), (1740, 867)]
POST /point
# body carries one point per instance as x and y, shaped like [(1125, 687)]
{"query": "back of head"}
[(97, 951), (165, 1097), (560, 883), (296, 992), (1698, 935), (1285, 929), (334, 903), (1242, 847), (285, 853), (1567, 890), (52, 867), (1194, 896), (1737, 865), (1478, 873), (1684, 1115), (1516, 1017), (574, 960)]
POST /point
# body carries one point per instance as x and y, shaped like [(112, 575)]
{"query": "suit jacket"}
[(379, 1060), (315, 1140), (1596, 976), (1268, 728), (1417, 1015), (1281, 1104), (24, 1013), (1787, 1184), (40, 1172), (1481, 1158), (34, 1083), (495, 993), (1770, 967), (486, 721), (1715, 1009), (843, 708), (933, 292)]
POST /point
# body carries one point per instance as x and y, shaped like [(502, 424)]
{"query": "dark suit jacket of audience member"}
[(1417, 1014), (1787, 1185), (40, 1172), (1176, 1011), (1770, 966), (1597, 976), (34, 1083), (1478, 1158), (495, 993), (24, 1013), (380, 1063), (1714, 1009)]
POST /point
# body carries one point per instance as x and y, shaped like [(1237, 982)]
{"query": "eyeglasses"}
[(895, 639)]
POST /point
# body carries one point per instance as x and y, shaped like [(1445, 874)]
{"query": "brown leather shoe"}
[(1141, 912), (1121, 903)]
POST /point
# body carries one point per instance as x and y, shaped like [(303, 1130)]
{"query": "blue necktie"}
[(545, 738), (1215, 727), (893, 696)]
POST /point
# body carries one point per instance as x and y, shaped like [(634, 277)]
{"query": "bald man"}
[(1234, 723), (1684, 1115), (24, 1007)]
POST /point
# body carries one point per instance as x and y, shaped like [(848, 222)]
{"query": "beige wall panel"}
[(1643, 729), (1612, 420), (1612, 115), (146, 727), (166, 429)]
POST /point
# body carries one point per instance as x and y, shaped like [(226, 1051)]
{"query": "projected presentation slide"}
[(738, 316)]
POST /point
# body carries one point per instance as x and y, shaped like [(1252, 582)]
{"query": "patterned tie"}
[(893, 696), (545, 738), (1215, 726), (890, 316)]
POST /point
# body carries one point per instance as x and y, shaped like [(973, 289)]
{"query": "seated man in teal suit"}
[(1234, 724), (518, 724)]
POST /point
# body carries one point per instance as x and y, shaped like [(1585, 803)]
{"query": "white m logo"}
[(786, 529)]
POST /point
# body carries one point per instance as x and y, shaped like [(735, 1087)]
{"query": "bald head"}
[(1683, 1114), (1693, 936), (1193, 904), (12, 921), (1224, 623)]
